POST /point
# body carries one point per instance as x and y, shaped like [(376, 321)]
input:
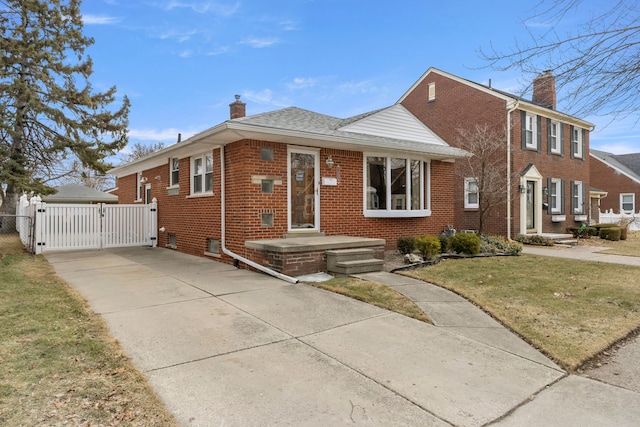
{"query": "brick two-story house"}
[(619, 176), (544, 156), (234, 191)]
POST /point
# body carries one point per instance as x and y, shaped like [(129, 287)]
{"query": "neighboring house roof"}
[(626, 164), (511, 99), (76, 193), (367, 132)]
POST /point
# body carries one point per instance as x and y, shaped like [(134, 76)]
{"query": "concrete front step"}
[(566, 242), (353, 261), (357, 266)]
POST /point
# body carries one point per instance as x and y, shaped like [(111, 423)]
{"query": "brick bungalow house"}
[(544, 159), (619, 177), (240, 191)]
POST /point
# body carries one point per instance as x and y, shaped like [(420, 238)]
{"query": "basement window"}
[(213, 246), (171, 241)]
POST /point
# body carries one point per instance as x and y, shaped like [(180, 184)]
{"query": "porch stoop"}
[(353, 261)]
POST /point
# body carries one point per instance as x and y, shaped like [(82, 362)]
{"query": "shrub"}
[(465, 243), (499, 245), (583, 232), (444, 243), (534, 240), (429, 246), (610, 233), (406, 244)]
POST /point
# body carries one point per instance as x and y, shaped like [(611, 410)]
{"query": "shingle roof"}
[(320, 125), (76, 193)]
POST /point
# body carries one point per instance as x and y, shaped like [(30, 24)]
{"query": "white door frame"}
[(316, 190), (535, 176)]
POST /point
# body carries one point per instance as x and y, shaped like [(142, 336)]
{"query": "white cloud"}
[(179, 36), (204, 7), (185, 53), (170, 134), (266, 97), (260, 43), (301, 83), (289, 25), (89, 19)]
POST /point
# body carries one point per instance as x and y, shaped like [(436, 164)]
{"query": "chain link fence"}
[(18, 225)]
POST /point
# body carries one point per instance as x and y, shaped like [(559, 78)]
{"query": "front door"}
[(531, 206), (304, 194)]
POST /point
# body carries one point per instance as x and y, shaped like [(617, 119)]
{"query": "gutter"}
[(509, 111), (226, 251)]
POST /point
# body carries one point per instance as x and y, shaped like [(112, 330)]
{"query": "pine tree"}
[(48, 109)]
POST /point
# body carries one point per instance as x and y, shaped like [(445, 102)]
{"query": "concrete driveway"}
[(223, 346)]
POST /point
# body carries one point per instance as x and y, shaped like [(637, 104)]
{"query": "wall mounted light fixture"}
[(522, 189), (330, 162), (143, 179)]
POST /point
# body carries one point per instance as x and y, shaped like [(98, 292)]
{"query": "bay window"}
[(396, 187)]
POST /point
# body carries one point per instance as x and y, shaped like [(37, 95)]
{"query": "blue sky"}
[(182, 61)]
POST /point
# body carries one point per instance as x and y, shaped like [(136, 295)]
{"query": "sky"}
[(181, 62)]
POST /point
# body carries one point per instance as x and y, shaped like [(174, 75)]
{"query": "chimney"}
[(237, 108), (544, 90)]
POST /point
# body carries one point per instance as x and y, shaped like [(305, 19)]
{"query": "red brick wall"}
[(193, 220), (604, 177), (461, 106)]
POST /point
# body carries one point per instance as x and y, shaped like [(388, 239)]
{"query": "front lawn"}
[(628, 247), (58, 364), (570, 310)]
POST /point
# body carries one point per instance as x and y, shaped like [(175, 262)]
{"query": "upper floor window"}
[(396, 187), (577, 143), (471, 194), (627, 203), (577, 197), (530, 131), (555, 137), (556, 190), (202, 174), (174, 171)]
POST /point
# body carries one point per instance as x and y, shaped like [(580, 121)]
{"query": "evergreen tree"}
[(48, 110)]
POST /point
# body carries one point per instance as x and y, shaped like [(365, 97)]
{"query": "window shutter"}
[(523, 133), (561, 136), (584, 134), (563, 200), (548, 136), (549, 194), (583, 208), (573, 199), (539, 133), (571, 145)]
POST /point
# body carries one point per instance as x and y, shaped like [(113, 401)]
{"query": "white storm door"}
[(303, 189)]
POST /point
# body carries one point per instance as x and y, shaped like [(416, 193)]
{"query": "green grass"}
[(58, 364), (570, 310), (374, 293)]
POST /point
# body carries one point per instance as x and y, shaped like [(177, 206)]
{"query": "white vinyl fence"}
[(608, 217), (61, 227)]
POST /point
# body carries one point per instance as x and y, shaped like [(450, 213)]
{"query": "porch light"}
[(329, 162), (522, 188), (545, 191)]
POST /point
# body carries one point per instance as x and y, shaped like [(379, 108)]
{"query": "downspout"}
[(223, 231), (509, 111)]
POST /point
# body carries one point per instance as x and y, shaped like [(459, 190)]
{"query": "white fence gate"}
[(608, 217), (62, 227)]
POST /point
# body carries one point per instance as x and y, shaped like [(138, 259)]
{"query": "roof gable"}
[(76, 193), (393, 122), (626, 164)]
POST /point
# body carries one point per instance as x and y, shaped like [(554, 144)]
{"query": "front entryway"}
[(531, 207), (304, 194), (530, 187)]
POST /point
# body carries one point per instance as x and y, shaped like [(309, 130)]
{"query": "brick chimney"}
[(544, 90), (237, 108)]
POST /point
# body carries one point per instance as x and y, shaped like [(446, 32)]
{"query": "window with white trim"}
[(531, 131), (576, 142), (139, 188), (471, 194), (555, 195), (202, 174), (554, 138), (174, 171), (396, 187), (577, 197), (627, 203)]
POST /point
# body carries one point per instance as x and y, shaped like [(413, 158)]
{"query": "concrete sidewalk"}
[(583, 253), (223, 346)]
